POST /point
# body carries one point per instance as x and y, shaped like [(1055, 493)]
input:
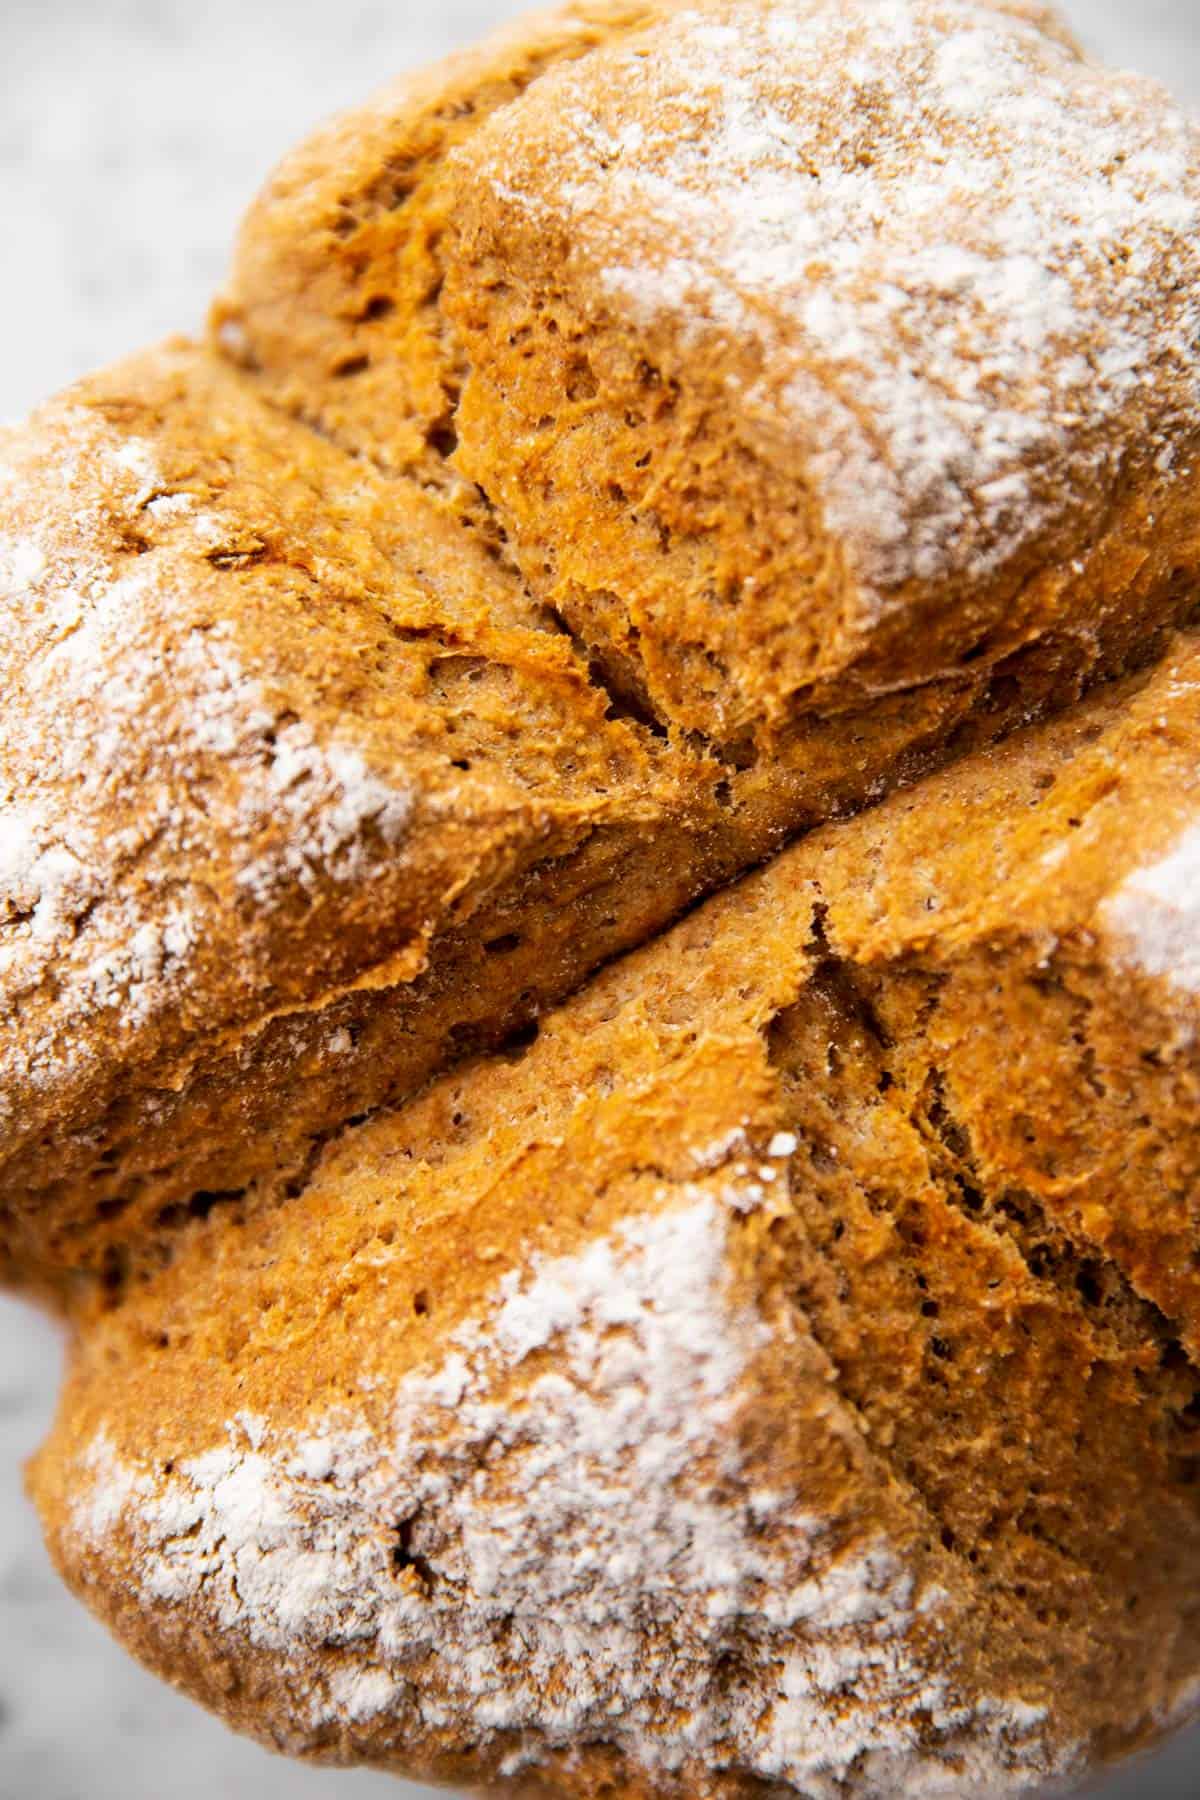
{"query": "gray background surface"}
[(132, 134)]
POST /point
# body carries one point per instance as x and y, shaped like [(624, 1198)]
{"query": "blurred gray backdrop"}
[(132, 134)]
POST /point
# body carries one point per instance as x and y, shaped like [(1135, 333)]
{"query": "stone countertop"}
[(132, 134)]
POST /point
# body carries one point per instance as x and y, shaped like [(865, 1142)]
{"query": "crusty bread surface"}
[(308, 797), (798, 349)]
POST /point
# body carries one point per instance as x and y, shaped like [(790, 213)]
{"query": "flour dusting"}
[(1156, 913), (142, 748), (556, 1542)]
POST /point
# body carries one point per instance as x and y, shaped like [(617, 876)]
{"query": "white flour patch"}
[(331, 796), (108, 1489), (21, 564), (711, 1156), (1156, 913), (557, 1541)]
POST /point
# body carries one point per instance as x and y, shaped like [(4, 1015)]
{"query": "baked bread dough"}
[(778, 1378), (332, 760), (797, 348), (773, 1370)]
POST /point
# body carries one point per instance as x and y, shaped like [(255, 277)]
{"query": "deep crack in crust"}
[(273, 699), (350, 229), (869, 1149)]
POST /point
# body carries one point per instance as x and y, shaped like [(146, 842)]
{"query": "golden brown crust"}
[(776, 1148), (262, 701), (782, 385), (365, 193)]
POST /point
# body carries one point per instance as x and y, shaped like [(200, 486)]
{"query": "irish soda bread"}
[(769, 1370), (332, 759), (779, 1378)]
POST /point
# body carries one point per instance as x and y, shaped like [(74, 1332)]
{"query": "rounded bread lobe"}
[(799, 349), (273, 724), (332, 302)]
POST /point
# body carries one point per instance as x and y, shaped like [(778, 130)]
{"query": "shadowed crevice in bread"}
[(275, 702)]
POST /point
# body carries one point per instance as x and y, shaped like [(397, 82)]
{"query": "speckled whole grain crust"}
[(799, 349), (333, 760), (780, 1377)]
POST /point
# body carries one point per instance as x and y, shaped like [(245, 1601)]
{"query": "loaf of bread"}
[(766, 1367), (797, 348), (328, 761), (778, 1378)]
